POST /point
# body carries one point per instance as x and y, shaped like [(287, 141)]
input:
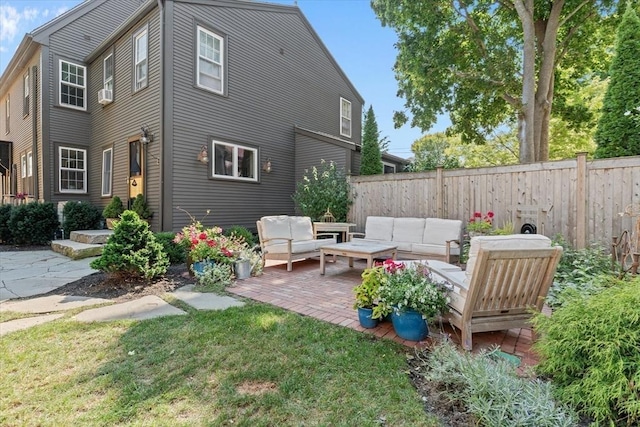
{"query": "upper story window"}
[(25, 94), (140, 48), (72, 170), (210, 60), (73, 85), (30, 164), (235, 161), (108, 73), (7, 113), (388, 167), (345, 118)]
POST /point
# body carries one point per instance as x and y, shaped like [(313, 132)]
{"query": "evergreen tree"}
[(618, 133), (371, 160)]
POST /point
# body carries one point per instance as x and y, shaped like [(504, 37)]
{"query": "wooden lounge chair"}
[(506, 277)]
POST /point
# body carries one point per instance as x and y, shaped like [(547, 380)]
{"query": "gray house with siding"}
[(213, 105)]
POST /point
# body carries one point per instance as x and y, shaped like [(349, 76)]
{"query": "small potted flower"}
[(112, 211), (367, 293), (413, 297), (204, 246), (480, 224)]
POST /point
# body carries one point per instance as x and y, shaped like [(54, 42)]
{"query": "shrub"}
[(33, 223), (80, 216), (114, 209), (140, 207), (589, 348), (492, 391), (215, 277), (175, 252), (5, 230), (240, 232), (325, 187), (132, 250)]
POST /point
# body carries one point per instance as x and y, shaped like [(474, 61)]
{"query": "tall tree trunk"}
[(526, 124), (543, 154)]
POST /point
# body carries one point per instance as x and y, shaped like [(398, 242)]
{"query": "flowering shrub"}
[(410, 287), (479, 223), (207, 244)]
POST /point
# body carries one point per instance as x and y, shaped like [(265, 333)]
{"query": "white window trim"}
[(26, 98), (60, 168), (60, 83), (344, 116), (23, 166), (234, 166), (106, 80), (221, 63), (138, 85), (391, 165), (7, 113), (110, 178), (29, 164)]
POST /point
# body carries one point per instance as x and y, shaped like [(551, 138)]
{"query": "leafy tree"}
[(431, 151), (371, 161), (501, 149), (618, 134), (324, 187), (491, 62)]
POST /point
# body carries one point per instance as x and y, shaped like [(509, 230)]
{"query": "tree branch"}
[(472, 24), (574, 11)]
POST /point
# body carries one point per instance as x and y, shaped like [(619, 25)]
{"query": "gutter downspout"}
[(162, 151), (33, 83)]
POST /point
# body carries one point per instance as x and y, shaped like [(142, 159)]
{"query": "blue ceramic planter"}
[(198, 266), (409, 325), (364, 315)]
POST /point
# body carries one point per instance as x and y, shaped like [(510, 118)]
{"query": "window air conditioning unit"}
[(105, 96)]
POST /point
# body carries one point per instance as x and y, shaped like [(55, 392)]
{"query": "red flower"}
[(490, 214), (203, 236), (477, 214), (211, 243)]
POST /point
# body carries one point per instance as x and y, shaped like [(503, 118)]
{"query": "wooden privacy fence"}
[(579, 199)]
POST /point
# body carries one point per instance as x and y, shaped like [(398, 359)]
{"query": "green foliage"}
[(80, 216), (5, 229), (324, 187), (371, 160), (589, 348), (618, 134), (140, 207), (433, 150), (114, 209), (368, 291), (215, 277), (491, 390), (175, 253), (238, 232), (132, 250), (33, 223)]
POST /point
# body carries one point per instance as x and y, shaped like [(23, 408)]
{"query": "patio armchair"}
[(507, 278)]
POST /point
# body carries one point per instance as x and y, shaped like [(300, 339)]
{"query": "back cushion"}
[(437, 231), (408, 230), (511, 241), (379, 228), (275, 226), (301, 228)]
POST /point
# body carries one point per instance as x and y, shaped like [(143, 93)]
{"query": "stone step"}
[(92, 237), (76, 250)]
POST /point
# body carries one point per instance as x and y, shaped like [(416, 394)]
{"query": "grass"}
[(248, 366)]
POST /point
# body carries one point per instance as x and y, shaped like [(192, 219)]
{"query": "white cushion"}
[(437, 231), (275, 227), (297, 247), (510, 241), (408, 230), (379, 228), (323, 242), (428, 249), (301, 228)]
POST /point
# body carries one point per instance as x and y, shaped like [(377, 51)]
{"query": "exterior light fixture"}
[(203, 155), (145, 136), (267, 166)]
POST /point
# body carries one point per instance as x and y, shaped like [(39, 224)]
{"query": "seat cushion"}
[(511, 241), (379, 228), (275, 227), (429, 249), (297, 247), (437, 231), (301, 228), (323, 242), (408, 230)]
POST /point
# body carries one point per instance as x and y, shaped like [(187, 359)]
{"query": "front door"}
[(136, 170)]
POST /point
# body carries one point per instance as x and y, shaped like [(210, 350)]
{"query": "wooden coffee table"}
[(363, 250)]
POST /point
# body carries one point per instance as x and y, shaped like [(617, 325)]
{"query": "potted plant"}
[(113, 211), (367, 293), (206, 246), (140, 207), (479, 224), (412, 296)]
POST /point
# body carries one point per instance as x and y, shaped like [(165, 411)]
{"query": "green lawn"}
[(249, 366)]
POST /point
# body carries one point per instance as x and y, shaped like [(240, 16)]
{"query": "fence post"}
[(440, 192), (581, 201)]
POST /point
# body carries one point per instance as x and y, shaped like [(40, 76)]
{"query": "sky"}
[(361, 46)]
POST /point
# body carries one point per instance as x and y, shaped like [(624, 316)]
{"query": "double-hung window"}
[(29, 164), (140, 59), (72, 170), (23, 166), (107, 166), (345, 118), (235, 161), (7, 114), (108, 73), (210, 61), (25, 95), (73, 85)]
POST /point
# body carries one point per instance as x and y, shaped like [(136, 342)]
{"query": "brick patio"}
[(330, 298)]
